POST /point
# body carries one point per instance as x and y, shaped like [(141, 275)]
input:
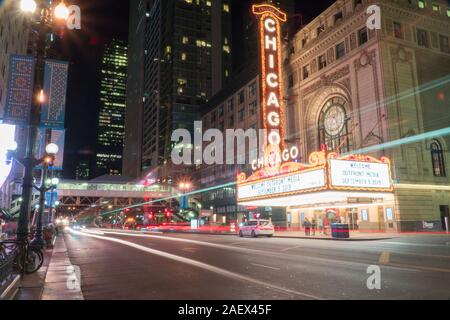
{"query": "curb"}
[(275, 236), (332, 239), (12, 289), (55, 285)]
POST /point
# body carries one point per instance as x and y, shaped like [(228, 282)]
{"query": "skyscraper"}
[(187, 59), (135, 87), (112, 109)]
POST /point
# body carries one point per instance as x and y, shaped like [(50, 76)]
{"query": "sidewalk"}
[(51, 281), (59, 283), (354, 236), (31, 286)]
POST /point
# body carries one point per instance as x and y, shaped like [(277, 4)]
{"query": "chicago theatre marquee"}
[(341, 93)]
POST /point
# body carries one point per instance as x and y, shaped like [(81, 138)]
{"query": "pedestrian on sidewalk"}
[(307, 226), (326, 225), (320, 225), (314, 226)]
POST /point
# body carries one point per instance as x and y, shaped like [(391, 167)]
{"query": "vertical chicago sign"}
[(270, 19)]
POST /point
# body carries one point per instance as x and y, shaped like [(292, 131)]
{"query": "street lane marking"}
[(422, 255), (412, 244), (384, 258), (263, 266), (408, 266), (291, 248), (234, 243), (201, 265)]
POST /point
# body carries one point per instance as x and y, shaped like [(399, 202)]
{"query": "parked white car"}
[(256, 228)]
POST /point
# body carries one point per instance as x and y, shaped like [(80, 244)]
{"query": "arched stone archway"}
[(314, 107)]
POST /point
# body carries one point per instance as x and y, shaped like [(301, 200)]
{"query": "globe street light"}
[(54, 184), (61, 11), (51, 150), (28, 6)]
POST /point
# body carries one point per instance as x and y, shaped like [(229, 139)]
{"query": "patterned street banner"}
[(20, 90), (55, 87), (57, 137)]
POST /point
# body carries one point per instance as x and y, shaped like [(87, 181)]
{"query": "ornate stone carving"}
[(330, 55), (366, 58), (347, 84), (400, 54), (313, 66), (353, 43), (328, 79)]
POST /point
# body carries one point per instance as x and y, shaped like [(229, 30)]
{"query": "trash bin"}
[(340, 231)]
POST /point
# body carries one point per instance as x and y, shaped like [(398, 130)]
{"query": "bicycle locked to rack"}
[(27, 259)]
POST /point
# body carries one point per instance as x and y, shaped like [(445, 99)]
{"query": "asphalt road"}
[(210, 267)]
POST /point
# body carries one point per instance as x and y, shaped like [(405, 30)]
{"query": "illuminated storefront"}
[(353, 189)]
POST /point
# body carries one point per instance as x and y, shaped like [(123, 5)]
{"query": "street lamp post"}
[(54, 183), (43, 27), (51, 150)]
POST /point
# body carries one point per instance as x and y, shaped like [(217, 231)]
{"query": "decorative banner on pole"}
[(57, 137), (20, 90), (50, 198), (55, 87)]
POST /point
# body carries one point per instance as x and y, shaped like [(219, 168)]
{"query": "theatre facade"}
[(369, 111)]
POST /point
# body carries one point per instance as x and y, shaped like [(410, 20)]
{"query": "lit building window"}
[(208, 3), (437, 156), (422, 4), (183, 56), (448, 12), (185, 40), (226, 48), (226, 7), (168, 49), (436, 7), (181, 82)]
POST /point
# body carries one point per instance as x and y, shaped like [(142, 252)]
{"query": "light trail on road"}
[(201, 265)]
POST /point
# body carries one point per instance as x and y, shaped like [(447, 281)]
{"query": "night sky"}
[(103, 20)]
